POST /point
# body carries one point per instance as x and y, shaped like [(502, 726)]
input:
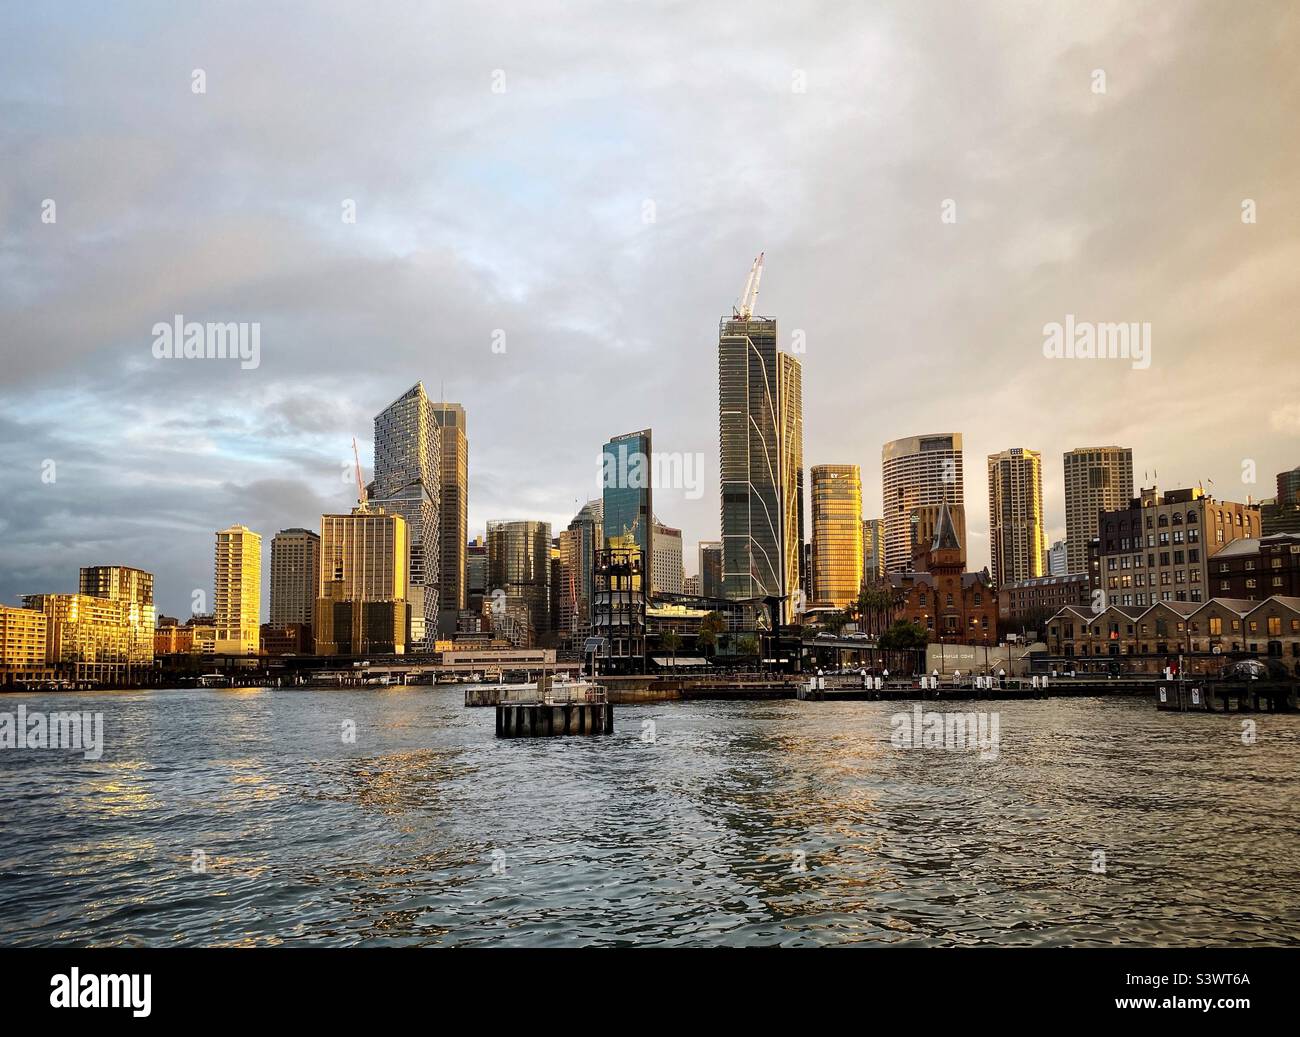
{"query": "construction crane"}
[(750, 297), (361, 489)]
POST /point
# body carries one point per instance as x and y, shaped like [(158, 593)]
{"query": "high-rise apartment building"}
[(1097, 479), (920, 474), (476, 575), (364, 581), (627, 491), (1017, 534), (668, 574), (836, 534), (873, 550), (408, 482), (237, 591), (519, 577), (135, 588), (710, 552), (295, 570), (760, 403), (453, 514)]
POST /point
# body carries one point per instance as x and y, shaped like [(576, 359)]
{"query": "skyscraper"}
[(920, 474), (237, 591), (519, 576), (667, 576), (453, 513), (364, 580), (295, 569), (710, 552), (1017, 536), (627, 493), (760, 404), (1056, 559), (836, 534), (408, 482), (873, 550), (1097, 479)]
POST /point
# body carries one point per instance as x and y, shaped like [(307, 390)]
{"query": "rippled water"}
[(691, 839)]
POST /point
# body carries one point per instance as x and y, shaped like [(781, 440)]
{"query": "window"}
[(1216, 626)]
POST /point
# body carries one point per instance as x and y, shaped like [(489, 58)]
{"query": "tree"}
[(904, 636), (710, 627), (747, 645), (672, 641)]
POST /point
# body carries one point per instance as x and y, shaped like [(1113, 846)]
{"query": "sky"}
[(555, 203)]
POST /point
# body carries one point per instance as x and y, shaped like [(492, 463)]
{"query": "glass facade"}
[(837, 534), (453, 514), (627, 493), (408, 467), (519, 573), (760, 403), (1017, 535), (918, 475)]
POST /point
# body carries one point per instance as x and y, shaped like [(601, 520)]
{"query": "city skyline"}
[(151, 456)]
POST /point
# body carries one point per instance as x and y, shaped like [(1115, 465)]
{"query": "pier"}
[(1227, 697), (551, 708)]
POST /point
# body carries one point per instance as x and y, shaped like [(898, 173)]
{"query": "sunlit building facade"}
[(760, 403), (873, 550), (23, 646), (408, 482), (364, 582), (133, 586), (237, 591), (1017, 534), (836, 534), (92, 640)]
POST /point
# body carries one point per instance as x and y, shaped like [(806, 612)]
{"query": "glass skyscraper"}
[(837, 534), (760, 399), (627, 496), (453, 514), (408, 469)]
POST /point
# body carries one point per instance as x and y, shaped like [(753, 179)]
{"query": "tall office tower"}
[(295, 569), (1097, 479), (519, 577), (362, 605), (668, 574), (133, 586), (873, 550), (1282, 513), (836, 534), (761, 454), (237, 591), (453, 513), (710, 568), (408, 482), (476, 575), (1017, 536), (627, 493), (1056, 563), (567, 602), (920, 474), (797, 550)]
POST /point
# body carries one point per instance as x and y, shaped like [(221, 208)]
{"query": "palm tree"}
[(672, 641)]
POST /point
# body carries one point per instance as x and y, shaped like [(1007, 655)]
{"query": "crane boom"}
[(361, 490), (750, 296)]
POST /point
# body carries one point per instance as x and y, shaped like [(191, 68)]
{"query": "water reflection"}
[(759, 823)]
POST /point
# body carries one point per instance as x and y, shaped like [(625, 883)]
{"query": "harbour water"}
[(244, 817)]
